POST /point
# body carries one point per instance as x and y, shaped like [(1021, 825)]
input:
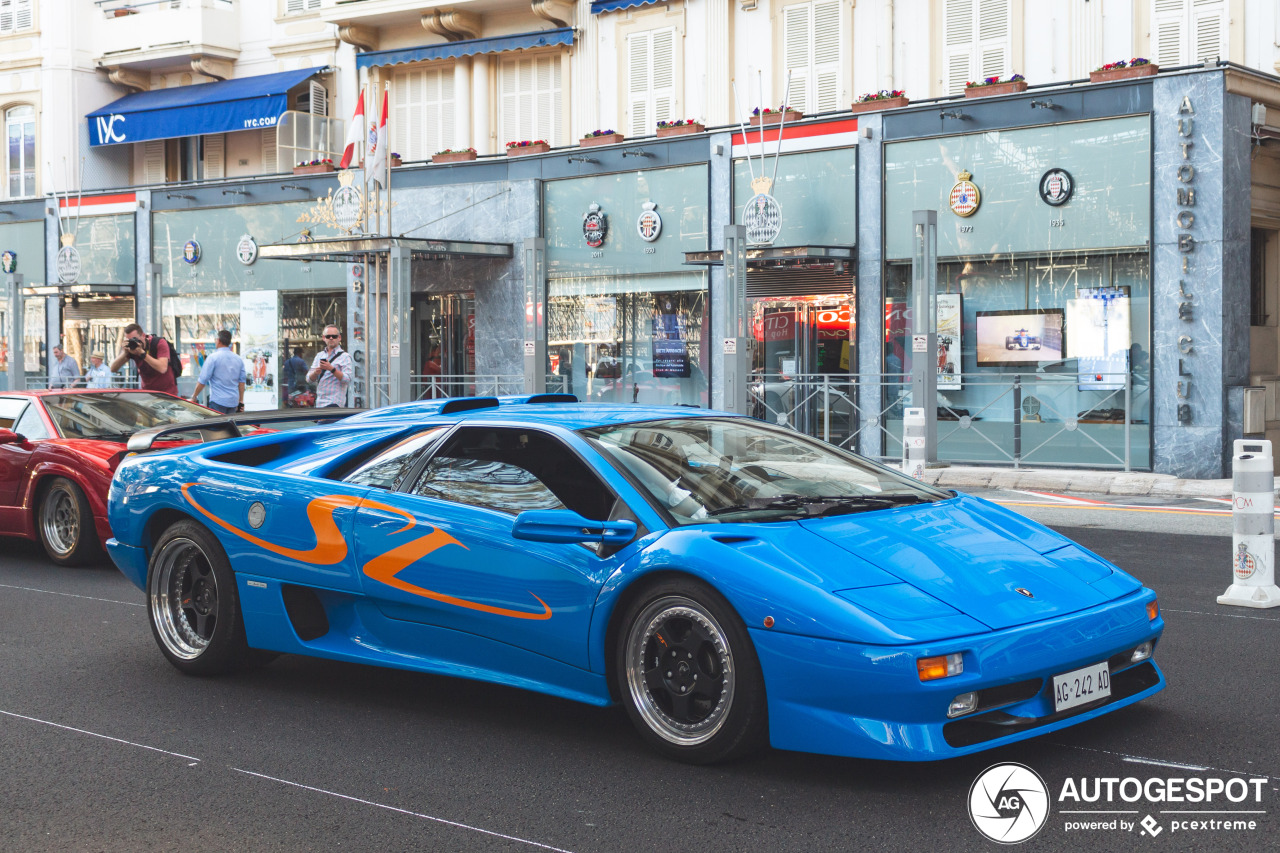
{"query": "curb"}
[(1069, 480)]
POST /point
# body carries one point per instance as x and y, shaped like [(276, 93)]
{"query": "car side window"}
[(387, 470), (10, 409), (513, 470), (30, 424)]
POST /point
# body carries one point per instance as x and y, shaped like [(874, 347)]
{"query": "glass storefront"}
[(271, 308), (626, 321), (1044, 307), (26, 241), (444, 343)]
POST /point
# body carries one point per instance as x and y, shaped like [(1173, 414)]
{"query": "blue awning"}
[(240, 104), (468, 47), (598, 6)]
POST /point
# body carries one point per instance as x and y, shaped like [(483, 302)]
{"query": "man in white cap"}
[(98, 374)]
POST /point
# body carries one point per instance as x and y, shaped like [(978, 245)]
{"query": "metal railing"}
[(42, 382), (1009, 419)]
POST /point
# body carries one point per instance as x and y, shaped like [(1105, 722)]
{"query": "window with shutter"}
[(297, 7), (20, 129), (22, 14), (270, 157), (977, 37), (215, 161), (811, 49), (651, 92), (422, 112), (529, 97), (318, 100), (1188, 31), (153, 161)]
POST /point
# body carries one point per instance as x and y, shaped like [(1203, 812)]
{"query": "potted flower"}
[(123, 11), (601, 137), (680, 127), (769, 115), (525, 146), (453, 155), (395, 160), (313, 167), (885, 99), (995, 86), (1136, 67)]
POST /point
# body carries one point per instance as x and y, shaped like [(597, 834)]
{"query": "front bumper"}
[(130, 560), (866, 701)]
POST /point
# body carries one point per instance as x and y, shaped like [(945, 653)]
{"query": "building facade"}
[(1108, 258)]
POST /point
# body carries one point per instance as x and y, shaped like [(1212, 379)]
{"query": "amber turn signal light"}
[(1153, 610), (931, 669)]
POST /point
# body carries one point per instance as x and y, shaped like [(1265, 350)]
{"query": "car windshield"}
[(116, 415), (706, 470)]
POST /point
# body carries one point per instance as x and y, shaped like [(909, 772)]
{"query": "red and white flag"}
[(355, 133), (378, 145)]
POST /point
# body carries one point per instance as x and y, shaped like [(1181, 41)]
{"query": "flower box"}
[(1007, 87), (1149, 69), (535, 148), (775, 118), (395, 161), (879, 104), (680, 130), (313, 169), (453, 156), (602, 139)]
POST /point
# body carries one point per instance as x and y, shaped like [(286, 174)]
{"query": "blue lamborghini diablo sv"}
[(730, 583)]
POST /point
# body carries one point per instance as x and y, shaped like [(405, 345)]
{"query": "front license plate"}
[(1081, 686)]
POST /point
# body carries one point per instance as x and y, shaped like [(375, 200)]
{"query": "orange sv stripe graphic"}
[(331, 548)]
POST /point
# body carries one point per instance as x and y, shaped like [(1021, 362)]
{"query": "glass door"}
[(803, 353), (445, 345)]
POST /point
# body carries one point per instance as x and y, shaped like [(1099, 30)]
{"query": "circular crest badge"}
[(965, 197), (247, 250), (347, 208), (650, 223), (595, 226), (1009, 803), (1056, 186), (68, 263), (191, 252), (8, 260), (762, 217)]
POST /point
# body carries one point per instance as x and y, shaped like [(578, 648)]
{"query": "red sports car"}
[(58, 450)]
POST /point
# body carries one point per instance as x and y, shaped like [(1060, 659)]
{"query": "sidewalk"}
[(1072, 480)]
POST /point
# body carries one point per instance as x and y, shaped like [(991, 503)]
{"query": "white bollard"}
[(913, 438), (1253, 504)]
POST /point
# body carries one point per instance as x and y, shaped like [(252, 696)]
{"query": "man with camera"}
[(150, 354), (331, 371)]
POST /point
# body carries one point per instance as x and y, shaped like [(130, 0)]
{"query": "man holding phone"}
[(331, 371)]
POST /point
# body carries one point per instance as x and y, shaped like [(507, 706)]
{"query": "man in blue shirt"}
[(223, 373)]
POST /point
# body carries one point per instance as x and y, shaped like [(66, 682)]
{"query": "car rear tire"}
[(192, 603), (688, 674), (66, 526)]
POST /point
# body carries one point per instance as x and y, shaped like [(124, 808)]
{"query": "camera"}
[(134, 344)]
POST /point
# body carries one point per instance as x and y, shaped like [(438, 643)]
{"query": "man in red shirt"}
[(150, 355)]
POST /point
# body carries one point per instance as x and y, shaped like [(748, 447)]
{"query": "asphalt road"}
[(104, 747)]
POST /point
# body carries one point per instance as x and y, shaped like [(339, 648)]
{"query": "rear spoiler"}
[(228, 426)]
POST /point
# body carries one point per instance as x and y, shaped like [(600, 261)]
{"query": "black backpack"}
[(175, 360)]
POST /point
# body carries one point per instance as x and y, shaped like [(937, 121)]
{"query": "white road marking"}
[(72, 595), (104, 737), (1215, 811), (1097, 811), (405, 811), (1124, 757), (1060, 498), (1228, 615), (1172, 764)]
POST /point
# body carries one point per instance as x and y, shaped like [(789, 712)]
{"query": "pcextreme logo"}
[(1010, 803), (331, 548)]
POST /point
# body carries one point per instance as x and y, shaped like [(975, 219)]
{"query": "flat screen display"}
[(1019, 337)]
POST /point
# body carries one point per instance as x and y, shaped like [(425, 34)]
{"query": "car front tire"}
[(192, 602), (688, 674), (66, 526)]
